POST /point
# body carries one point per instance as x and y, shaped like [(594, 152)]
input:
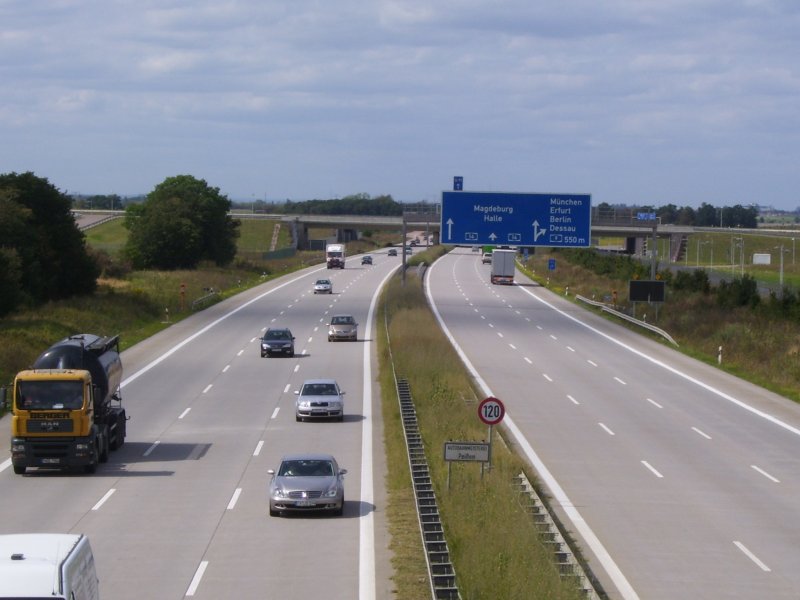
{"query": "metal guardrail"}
[(565, 560), (441, 573), (203, 299), (628, 318)]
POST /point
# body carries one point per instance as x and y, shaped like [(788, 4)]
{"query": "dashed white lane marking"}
[(198, 575), (620, 380), (275, 412), (259, 446), (703, 433), (752, 556), (208, 387), (652, 470), (5, 464), (654, 403), (184, 413), (606, 428), (102, 500), (764, 473), (573, 400), (232, 504), (152, 447)]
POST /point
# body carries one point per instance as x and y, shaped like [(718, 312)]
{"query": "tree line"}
[(706, 215), (44, 256)]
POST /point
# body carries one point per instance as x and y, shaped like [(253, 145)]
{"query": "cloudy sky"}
[(631, 101)]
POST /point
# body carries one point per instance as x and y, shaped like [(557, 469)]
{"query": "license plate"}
[(51, 461), (304, 503)]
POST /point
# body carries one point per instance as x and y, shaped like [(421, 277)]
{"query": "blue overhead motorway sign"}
[(494, 218)]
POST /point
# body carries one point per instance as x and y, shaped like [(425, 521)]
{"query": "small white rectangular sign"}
[(762, 259), (467, 451)]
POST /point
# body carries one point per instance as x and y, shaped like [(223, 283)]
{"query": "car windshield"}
[(278, 335), (306, 468), (342, 321), (48, 395), (323, 282), (320, 389)]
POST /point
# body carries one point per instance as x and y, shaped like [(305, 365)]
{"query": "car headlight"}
[(331, 493), (81, 447), (279, 493), (16, 447), (303, 403)]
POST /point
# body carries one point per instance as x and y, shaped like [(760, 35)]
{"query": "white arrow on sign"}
[(492, 237), (449, 229), (537, 233)]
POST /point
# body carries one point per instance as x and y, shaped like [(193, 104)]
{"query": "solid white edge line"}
[(366, 522), (667, 367), (620, 581), (752, 556), (198, 575)]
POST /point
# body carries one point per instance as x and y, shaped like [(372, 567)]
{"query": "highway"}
[(181, 509), (678, 480)]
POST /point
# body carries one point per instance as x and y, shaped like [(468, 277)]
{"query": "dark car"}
[(366, 260), (392, 251), (277, 341)]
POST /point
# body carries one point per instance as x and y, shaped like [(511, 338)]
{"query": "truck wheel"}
[(92, 466), (104, 451), (19, 470)]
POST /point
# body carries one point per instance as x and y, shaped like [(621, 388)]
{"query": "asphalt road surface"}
[(181, 509), (678, 480)]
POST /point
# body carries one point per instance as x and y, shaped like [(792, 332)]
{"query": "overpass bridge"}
[(617, 224)]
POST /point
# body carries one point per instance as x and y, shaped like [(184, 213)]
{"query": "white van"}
[(47, 566)]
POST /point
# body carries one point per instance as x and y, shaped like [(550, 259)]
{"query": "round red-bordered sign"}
[(491, 411)]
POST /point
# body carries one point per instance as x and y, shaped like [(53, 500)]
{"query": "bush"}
[(695, 280), (739, 292)]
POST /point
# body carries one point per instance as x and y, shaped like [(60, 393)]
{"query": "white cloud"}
[(306, 98)]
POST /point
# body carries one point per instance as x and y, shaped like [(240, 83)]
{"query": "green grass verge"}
[(495, 548)]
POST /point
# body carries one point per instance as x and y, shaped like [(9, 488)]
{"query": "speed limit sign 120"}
[(491, 411)]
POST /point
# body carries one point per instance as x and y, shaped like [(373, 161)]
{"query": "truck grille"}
[(50, 426)]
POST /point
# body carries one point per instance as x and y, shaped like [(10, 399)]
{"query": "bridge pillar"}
[(300, 235)]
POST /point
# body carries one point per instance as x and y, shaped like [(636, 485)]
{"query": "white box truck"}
[(334, 256), (47, 566), (503, 266)]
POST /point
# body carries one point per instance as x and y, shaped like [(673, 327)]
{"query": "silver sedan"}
[(307, 483)]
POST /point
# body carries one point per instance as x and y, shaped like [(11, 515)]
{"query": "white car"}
[(323, 286), (319, 399)]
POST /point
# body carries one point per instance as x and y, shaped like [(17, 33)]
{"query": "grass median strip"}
[(495, 548)]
